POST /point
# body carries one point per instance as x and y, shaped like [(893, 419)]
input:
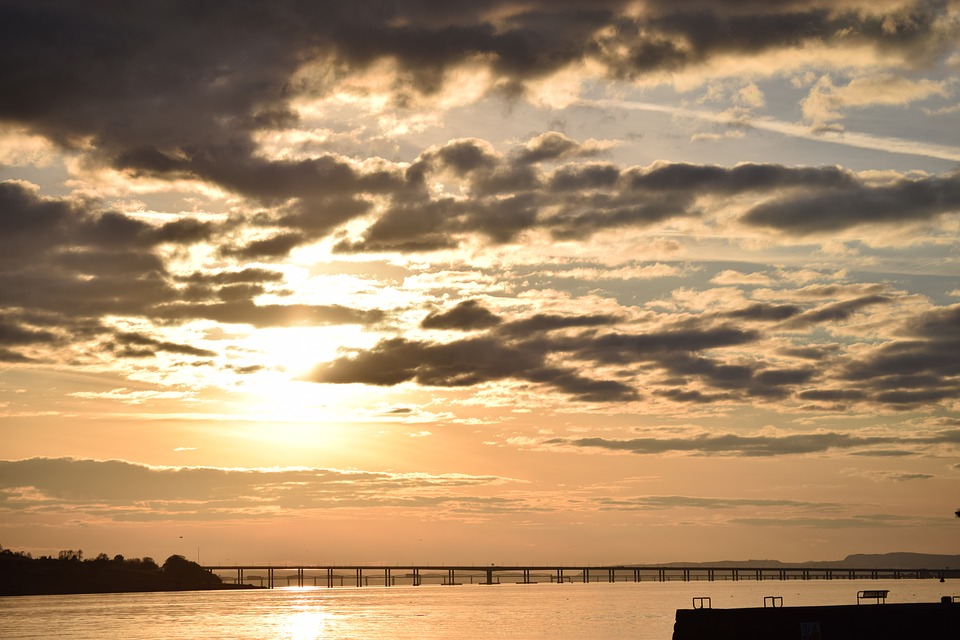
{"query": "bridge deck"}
[(331, 575)]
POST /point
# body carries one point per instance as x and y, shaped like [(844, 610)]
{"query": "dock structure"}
[(350, 575), (834, 622)]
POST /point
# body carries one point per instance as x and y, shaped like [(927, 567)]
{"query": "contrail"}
[(847, 138)]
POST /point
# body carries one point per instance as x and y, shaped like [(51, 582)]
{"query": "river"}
[(533, 612)]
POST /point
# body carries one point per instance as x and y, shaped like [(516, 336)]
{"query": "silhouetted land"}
[(69, 573), (901, 560)]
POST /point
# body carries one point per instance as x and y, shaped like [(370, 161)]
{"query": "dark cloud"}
[(688, 358), (922, 367), (552, 146), (580, 177), (508, 195), (268, 315), (34, 228), (741, 178), (277, 246), (465, 316), (176, 89), (65, 266), (729, 444), (12, 333), (139, 345), (766, 312), (675, 36), (544, 322), (468, 362), (249, 275), (838, 311), (522, 350), (620, 348), (693, 396), (830, 210), (11, 356), (832, 395)]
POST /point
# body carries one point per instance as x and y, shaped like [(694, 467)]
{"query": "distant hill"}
[(899, 560), (69, 574)]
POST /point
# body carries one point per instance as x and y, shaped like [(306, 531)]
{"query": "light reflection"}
[(307, 625)]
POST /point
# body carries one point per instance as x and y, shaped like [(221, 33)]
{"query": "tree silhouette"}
[(179, 568)]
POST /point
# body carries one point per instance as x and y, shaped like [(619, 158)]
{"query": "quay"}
[(335, 575), (878, 621)]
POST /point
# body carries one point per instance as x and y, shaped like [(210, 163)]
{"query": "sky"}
[(485, 281)]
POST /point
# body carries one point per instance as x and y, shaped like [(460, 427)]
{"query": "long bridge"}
[(330, 576)]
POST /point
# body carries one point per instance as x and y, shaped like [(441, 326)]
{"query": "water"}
[(533, 612)]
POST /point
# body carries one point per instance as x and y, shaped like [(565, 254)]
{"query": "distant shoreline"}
[(69, 574), (65, 592)]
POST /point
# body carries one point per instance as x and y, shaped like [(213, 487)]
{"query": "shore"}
[(22, 576)]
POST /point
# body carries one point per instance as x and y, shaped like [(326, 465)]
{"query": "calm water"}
[(540, 611)]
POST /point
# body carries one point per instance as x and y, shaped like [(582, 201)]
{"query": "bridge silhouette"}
[(335, 575)]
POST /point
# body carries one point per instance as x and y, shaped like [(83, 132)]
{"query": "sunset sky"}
[(480, 281)]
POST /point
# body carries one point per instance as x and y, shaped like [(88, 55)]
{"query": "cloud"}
[(697, 360), (729, 444), (135, 345), (556, 146), (501, 196), (465, 316), (766, 312), (886, 143), (865, 521), (837, 311), (267, 315), (901, 202), (827, 102), (889, 475), (68, 268), (119, 490), (469, 362), (918, 368), (522, 350), (656, 503), (189, 106)]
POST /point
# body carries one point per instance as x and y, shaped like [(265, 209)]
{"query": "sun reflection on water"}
[(307, 625)]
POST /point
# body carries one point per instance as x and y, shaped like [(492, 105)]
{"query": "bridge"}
[(330, 576)]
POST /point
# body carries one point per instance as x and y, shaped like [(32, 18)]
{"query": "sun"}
[(296, 350)]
